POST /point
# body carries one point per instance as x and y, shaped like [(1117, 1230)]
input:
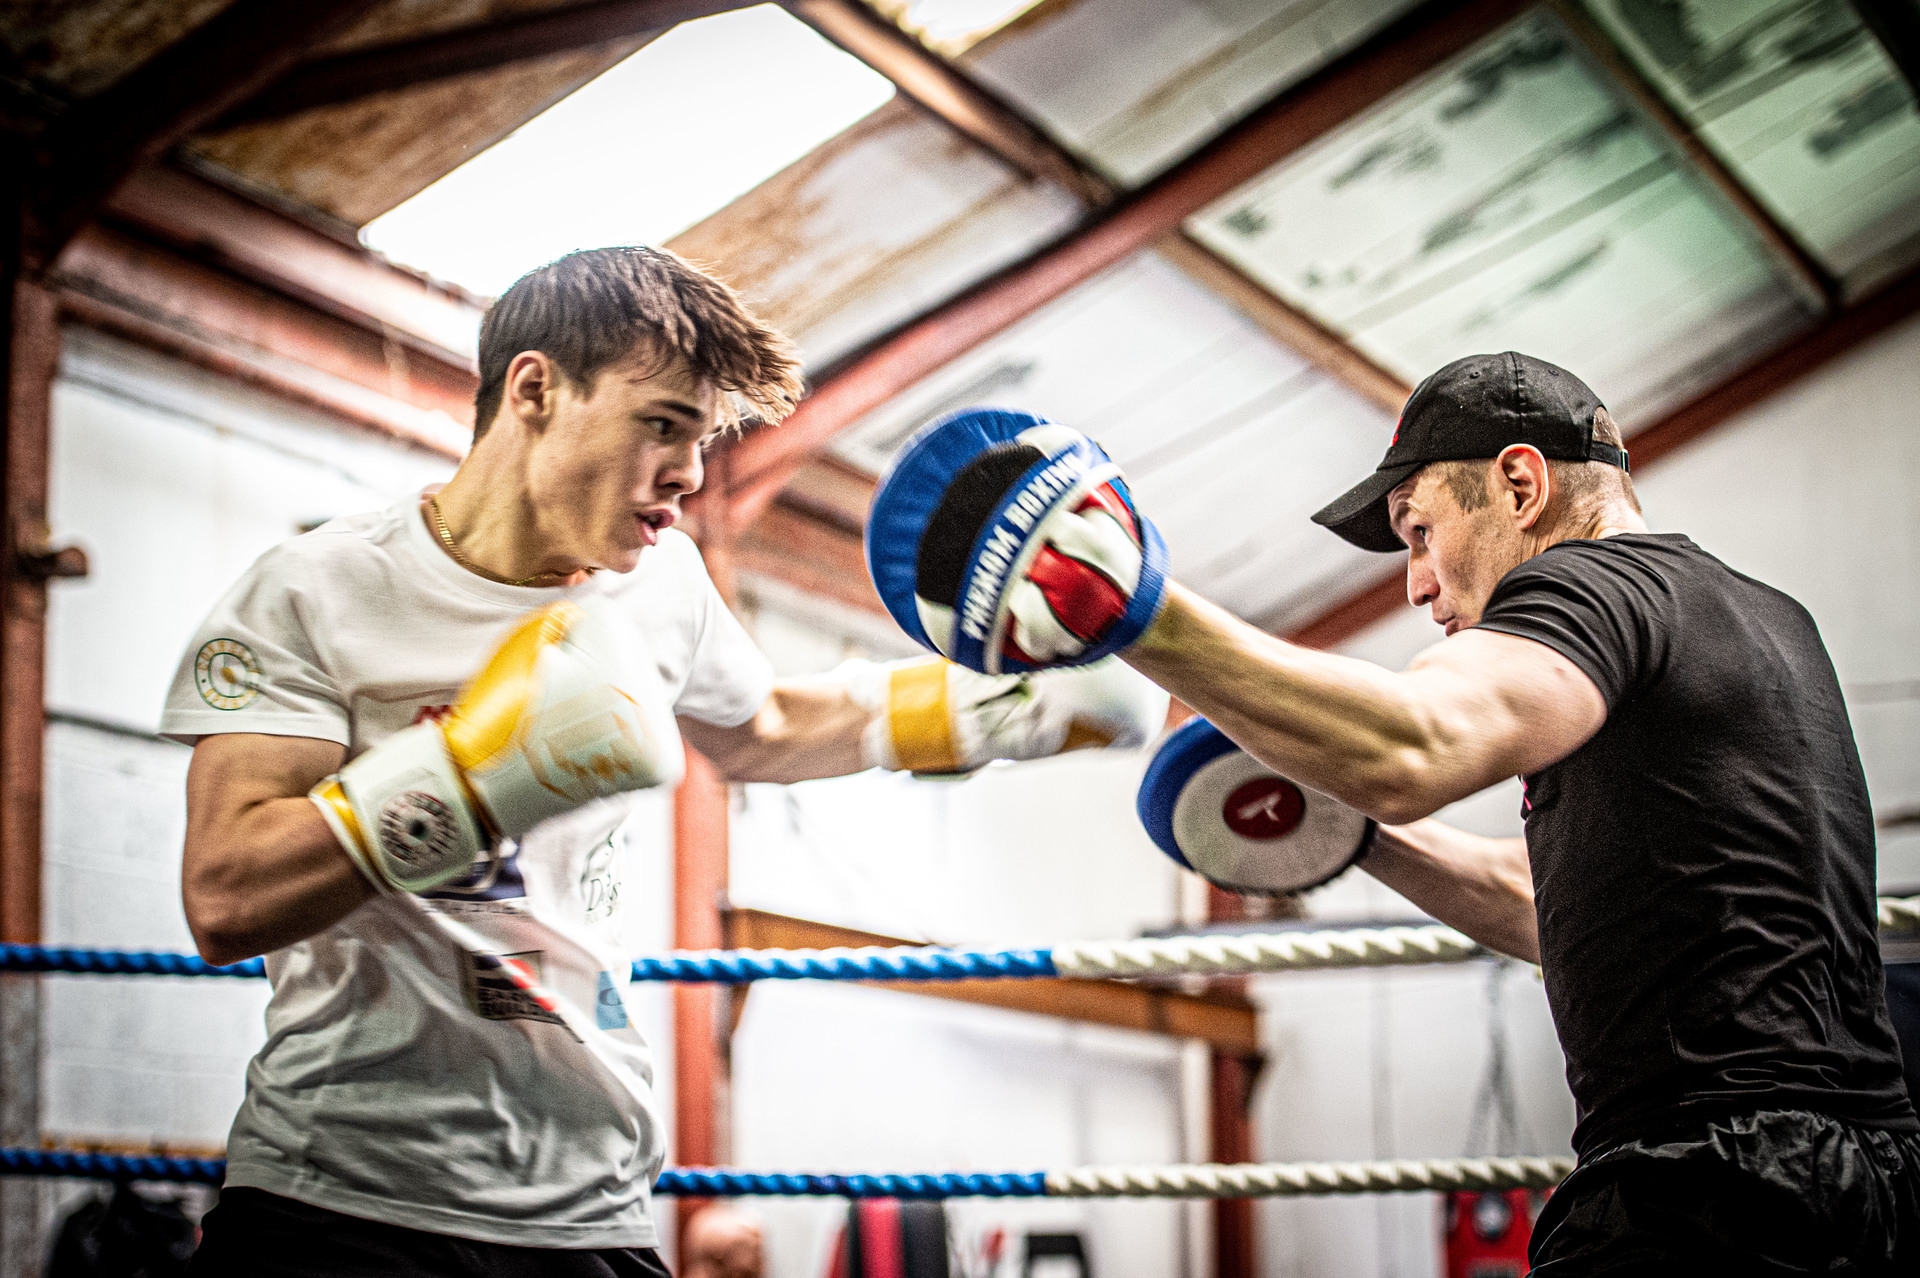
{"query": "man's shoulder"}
[(346, 543)]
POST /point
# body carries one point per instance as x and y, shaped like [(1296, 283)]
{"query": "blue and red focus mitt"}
[(1009, 543), (1236, 822)]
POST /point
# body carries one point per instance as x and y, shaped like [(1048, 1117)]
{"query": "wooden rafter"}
[(1293, 120), (360, 73)]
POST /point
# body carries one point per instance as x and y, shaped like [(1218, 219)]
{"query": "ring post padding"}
[(911, 491), (1187, 749)]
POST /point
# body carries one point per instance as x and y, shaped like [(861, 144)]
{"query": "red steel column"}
[(702, 1085), (1234, 1244)]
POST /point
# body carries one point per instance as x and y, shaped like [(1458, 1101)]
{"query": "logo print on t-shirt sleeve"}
[(227, 674)]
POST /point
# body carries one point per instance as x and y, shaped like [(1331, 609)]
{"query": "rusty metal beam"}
[(970, 109), (1293, 120), (360, 73), (1227, 1021), (149, 294), (1813, 350), (211, 224), (1788, 255), (1292, 328), (85, 153), (33, 347), (811, 555), (949, 94)]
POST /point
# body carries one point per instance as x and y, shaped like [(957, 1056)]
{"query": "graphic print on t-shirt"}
[(492, 993)]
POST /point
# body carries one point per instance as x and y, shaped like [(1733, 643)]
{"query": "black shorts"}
[(1775, 1193), (251, 1233)]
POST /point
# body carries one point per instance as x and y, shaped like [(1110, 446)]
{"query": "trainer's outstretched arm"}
[(262, 867), (804, 730), (1474, 709), (1479, 885)]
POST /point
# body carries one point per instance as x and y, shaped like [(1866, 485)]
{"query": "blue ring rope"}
[(694, 1182), (725, 967)]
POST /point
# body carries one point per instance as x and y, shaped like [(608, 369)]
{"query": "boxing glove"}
[(1009, 543), (568, 709), (931, 716)]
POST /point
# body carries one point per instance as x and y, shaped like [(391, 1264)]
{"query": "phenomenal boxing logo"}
[(1016, 520), (1264, 808), (227, 674)]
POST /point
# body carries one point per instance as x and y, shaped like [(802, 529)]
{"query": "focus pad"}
[(1222, 813), (969, 501)]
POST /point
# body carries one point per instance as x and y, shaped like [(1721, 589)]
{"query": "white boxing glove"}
[(932, 716), (568, 709)]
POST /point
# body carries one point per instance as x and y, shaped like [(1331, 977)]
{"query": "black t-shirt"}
[(1703, 868)]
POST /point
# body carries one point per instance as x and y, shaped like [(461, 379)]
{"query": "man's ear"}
[(532, 389), (1526, 481)]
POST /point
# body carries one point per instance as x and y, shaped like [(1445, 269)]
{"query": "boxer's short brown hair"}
[(591, 308)]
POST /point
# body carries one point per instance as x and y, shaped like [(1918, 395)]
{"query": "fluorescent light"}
[(677, 131)]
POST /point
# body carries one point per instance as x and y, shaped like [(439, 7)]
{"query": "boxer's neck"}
[(490, 514)]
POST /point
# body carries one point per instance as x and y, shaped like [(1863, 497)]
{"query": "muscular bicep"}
[(1504, 706), (234, 772)]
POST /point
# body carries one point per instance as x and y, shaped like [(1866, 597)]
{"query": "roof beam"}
[(1811, 351), (1291, 121), (1226, 1020), (149, 294), (212, 224), (360, 73), (84, 155), (1780, 245), (950, 95)]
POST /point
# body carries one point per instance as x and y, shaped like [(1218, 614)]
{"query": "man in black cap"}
[(1697, 877)]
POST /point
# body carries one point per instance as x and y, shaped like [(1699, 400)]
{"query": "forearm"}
[(807, 729), (276, 876), (1345, 727), (1481, 886), (262, 868)]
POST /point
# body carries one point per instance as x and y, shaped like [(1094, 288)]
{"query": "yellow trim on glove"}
[(494, 702), (919, 718)]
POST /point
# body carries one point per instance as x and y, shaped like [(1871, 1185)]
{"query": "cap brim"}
[(1360, 514)]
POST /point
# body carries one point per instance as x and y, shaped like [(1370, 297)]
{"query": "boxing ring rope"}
[(1227, 955), (1204, 1180)]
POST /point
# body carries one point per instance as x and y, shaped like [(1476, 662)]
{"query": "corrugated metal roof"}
[(1230, 440), (884, 221), (1514, 200), (1133, 85), (1802, 104)]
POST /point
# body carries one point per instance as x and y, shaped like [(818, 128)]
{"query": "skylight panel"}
[(1515, 200), (697, 118), (1800, 102)]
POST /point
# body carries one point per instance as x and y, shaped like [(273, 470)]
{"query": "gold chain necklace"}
[(446, 539)]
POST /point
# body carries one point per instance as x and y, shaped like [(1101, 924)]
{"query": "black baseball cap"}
[(1471, 409)]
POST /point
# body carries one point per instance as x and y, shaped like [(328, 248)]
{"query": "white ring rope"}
[(1268, 952), (1282, 1180)]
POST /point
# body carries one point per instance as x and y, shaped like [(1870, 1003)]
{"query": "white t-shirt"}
[(401, 1081)]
